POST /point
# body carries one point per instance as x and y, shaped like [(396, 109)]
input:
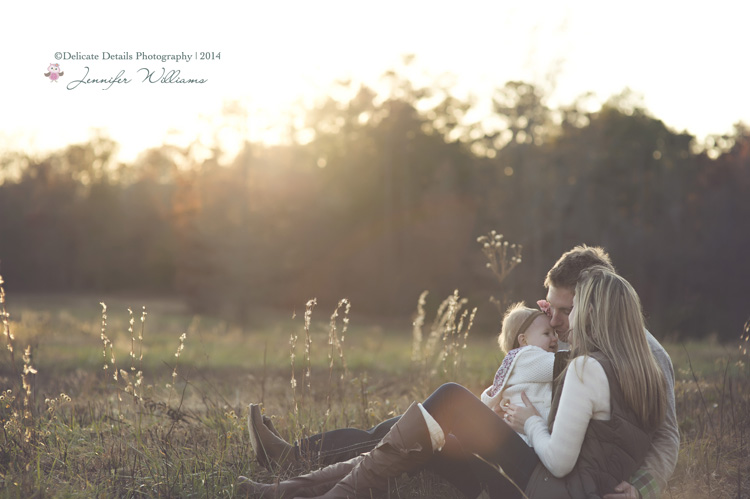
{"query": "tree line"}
[(385, 197)]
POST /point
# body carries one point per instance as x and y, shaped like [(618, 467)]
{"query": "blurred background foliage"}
[(377, 197)]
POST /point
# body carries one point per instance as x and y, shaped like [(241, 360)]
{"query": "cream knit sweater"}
[(527, 369), (585, 396)]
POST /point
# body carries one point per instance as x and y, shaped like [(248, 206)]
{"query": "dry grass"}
[(174, 425), (713, 410)]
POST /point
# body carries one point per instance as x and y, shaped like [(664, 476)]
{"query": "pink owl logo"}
[(53, 72)]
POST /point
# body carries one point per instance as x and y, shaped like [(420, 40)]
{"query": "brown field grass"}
[(172, 422)]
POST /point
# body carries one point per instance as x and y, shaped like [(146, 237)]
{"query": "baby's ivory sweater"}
[(527, 369)]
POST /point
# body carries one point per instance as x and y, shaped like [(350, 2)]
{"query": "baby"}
[(530, 344)]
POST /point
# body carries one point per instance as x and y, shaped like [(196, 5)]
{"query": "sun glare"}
[(277, 59)]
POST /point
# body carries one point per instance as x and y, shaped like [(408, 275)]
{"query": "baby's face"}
[(540, 334)]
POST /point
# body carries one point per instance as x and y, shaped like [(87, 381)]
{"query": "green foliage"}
[(379, 195)]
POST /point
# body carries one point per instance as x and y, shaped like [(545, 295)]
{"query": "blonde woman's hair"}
[(516, 320), (607, 317)]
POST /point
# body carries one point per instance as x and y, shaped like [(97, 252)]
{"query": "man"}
[(341, 445)]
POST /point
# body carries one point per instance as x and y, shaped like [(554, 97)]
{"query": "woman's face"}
[(540, 334)]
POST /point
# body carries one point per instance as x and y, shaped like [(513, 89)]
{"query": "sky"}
[(685, 59)]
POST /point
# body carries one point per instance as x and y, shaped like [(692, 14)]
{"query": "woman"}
[(611, 397)]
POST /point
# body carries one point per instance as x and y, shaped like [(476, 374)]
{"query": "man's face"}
[(561, 304)]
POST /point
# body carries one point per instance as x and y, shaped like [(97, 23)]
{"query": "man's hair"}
[(565, 272)]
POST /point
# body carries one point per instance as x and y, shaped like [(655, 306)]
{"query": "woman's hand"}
[(500, 408), (516, 415)]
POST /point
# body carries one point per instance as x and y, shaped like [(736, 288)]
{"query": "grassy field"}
[(171, 422)]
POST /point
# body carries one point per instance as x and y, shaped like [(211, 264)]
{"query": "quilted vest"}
[(611, 451)]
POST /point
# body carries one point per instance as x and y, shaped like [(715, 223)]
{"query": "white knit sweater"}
[(527, 369), (582, 401), (585, 396), (590, 400)]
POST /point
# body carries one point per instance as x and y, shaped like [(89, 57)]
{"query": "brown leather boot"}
[(406, 447), (269, 424), (270, 449), (309, 485)]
